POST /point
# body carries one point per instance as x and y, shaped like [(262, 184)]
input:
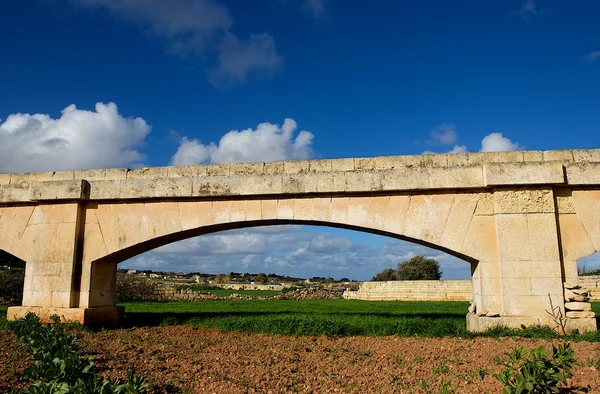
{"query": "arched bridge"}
[(522, 219)]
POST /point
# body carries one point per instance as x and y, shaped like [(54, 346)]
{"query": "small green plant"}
[(537, 372), (58, 367)]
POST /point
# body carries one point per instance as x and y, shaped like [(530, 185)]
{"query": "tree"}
[(385, 275), (262, 278), (419, 268)]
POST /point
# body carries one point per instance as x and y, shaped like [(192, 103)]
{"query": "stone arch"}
[(578, 217), (451, 222)]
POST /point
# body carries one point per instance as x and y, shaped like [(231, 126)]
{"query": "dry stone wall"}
[(592, 285), (414, 290)]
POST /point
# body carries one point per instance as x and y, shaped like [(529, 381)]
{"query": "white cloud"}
[(79, 139), (268, 142), (237, 59), (315, 7), (444, 134), (592, 56), (291, 250), (496, 142), (459, 149), (200, 27)]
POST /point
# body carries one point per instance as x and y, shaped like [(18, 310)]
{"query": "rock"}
[(578, 306), (580, 315), (576, 295), (571, 286), (472, 307)]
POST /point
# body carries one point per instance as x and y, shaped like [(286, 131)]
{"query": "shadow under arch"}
[(12, 278), (142, 247)]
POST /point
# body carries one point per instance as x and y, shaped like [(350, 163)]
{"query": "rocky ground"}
[(188, 360)]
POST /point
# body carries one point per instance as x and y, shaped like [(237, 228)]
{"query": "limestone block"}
[(327, 183), (137, 188), (90, 175), (322, 209), (527, 173), (339, 209), (578, 306), (274, 168), (253, 210), (173, 187), (564, 156), (218, 169), (363, 181), (389, 162), (533, 155), (42, 176), (523, 201), (295, 167), (583, 173), (476, 159), (572, 296), (37, 298), (459, 219), (19, 179), (587, 204), (455, 177), (221, 211), (378, 211), (295, 184), (579, 315), (403, 178), (4, 179), (412, 161), (59, 190), (341, 165), (105, 190), (563, 201), (571, 285), (398, 206), (148, 173), (481, 242), (589, 155), (575, 240), (216, 186), (161, 218), (320, 165), (436, 218), (260, 185), (190, 171), (14, 193), (543, 286), (364, 163), (285, 209), (457, 159), (417, 210), (542, 237), (246, 168), (268, 209), (116, 173), (513, 238), (508, 157), (94, 246), (435, 160), (61, 299), (303, 208), (485, 204)]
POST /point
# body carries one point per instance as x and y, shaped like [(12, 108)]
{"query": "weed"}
[(537, 372)]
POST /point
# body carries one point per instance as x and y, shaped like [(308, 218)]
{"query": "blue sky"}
[(358, 78)]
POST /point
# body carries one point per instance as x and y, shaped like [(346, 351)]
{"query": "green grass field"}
[(321, 317)]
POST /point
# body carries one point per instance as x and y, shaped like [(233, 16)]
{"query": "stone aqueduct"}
[(522, 219)]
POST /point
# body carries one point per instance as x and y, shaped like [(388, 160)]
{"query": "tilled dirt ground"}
[(188, 360)]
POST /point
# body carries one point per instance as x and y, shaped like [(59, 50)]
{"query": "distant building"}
[(131, 272)]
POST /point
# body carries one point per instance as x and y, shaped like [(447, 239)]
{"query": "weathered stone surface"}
[(527, 173), (579, 315), (59, 190), (583, 173), (578, 306)]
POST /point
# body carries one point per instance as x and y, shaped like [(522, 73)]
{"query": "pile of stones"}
[(577, 304)]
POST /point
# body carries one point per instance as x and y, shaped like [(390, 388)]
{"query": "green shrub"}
[(58, 367), (11, 286), (537, 373)]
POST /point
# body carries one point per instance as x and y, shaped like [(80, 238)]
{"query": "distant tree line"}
[(417, 268)]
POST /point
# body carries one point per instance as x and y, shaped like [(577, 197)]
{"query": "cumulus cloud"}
[(199, 27), (444, 134), (496, 142), (459, 149), (295, 251), (78, 139), (592, 56), (268, 142)]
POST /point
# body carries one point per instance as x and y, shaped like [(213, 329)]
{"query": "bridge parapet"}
[(353, 175)]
